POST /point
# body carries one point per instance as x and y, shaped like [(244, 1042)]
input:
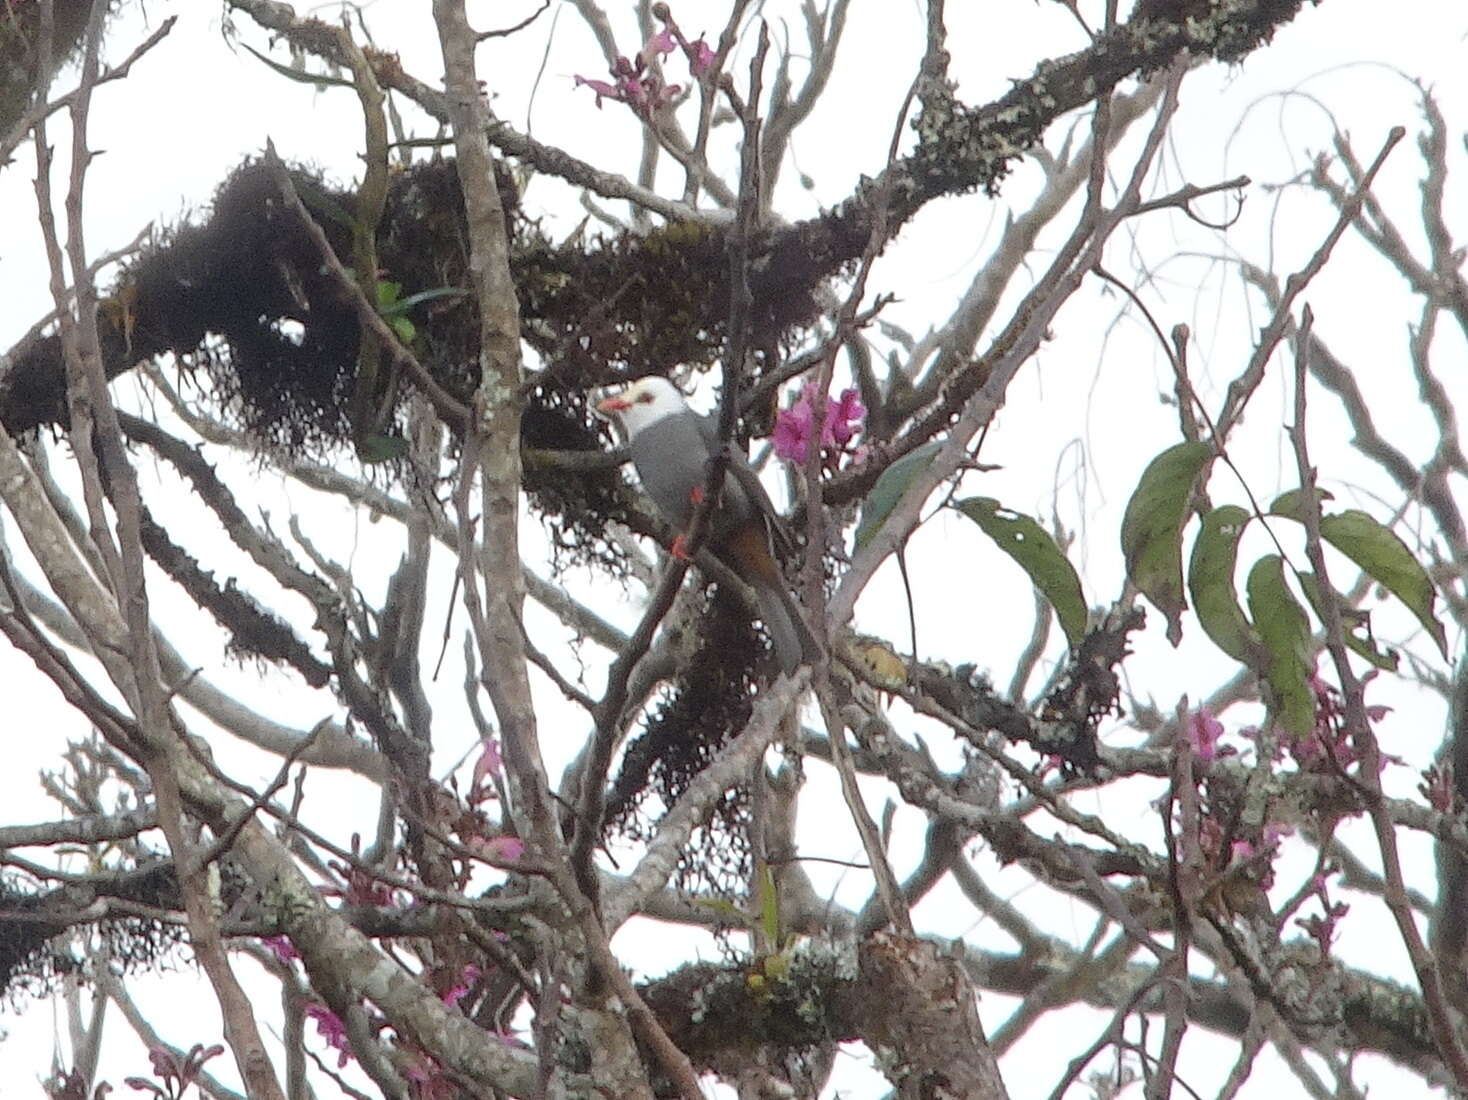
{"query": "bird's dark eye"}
[(645, 398)]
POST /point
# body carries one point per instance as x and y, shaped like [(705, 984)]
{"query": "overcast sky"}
[(1078, 427)]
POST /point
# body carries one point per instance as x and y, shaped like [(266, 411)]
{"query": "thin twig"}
[(1243, 387), (1424, 964)]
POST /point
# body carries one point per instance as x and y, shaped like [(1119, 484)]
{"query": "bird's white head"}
[(642, 404)]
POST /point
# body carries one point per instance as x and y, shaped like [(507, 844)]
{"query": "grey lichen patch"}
[(962, 148)]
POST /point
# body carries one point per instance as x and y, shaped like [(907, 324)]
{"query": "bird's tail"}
[(795, 643)]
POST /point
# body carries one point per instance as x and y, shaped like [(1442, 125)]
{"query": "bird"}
[(671, 448)]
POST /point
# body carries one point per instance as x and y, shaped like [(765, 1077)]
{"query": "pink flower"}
[(177, 1072), (500, 850), (362, 887), (1330, 746), (662, 43), (456, 992), (633, 81), (792, 431), (601, 88), (427, 1078), (490, 765), (1271, 835), (701, 58), (1203, 731), (1438, 787), (795, 426), (284, 950), (843, 421), (330, 1027)]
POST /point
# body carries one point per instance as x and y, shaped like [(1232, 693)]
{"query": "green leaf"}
[(387, 296), (318, 79), (1285, 631), (1352, 620), (1211, 583), (889, 489), (381, 448), (403, 328), (1287, 504), (394, 309), (1386, 559), (769, 908), (402, 305), (1031, 546), (731, 913), (1152, 529)]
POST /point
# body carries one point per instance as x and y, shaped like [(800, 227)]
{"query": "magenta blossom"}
[(330, 1027), (1330, 745), (634, 82), (501, 851), (661, 44), (282, 947), (487, 768), (701, 58), (456, 993), (1272, 834), (1203, 731), (795, 426), (177, 1072), (426, 1078)]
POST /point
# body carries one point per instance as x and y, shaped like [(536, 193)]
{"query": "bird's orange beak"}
[(614, 404)]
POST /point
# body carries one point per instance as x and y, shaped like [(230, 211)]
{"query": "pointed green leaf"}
[(1386, 559), (1287, 504), (1211, 583), (1285, 631), (769, 908), (403, 329), (889, 489), (730, 912), (1152, 529), (1031, 546), (402, 305), (318, 79), (387, 296), (1355, 623)]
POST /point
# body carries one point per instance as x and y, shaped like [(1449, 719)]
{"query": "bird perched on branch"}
[(671, 448)]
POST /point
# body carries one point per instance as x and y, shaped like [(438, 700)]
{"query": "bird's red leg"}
[(679, 549)]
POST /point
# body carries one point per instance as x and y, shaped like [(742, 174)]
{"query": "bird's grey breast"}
[(671, 457)]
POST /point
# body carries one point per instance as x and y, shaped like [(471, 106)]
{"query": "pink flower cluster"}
[(1329, 747), (330, 1027), (1203, 732), (424, 1074), (795, 427), (1252, 856), (177, 1072), (1322, 928), (638, 84)]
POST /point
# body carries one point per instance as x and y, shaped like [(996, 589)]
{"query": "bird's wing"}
[(748, 481)]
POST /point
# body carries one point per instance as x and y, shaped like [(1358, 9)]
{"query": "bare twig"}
[(1429, 977), (1241, 388)]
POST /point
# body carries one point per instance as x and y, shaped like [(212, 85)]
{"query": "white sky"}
[(1079, 426)]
